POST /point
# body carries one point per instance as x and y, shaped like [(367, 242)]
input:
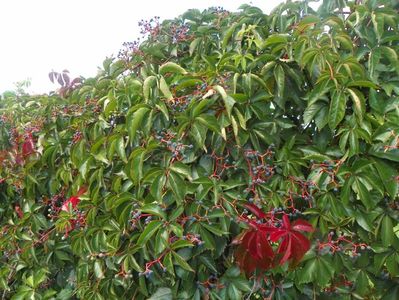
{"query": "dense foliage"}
[(227, 156)]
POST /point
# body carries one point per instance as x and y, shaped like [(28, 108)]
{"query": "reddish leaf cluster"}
[(254, 249), (28, 146), (74, 200)]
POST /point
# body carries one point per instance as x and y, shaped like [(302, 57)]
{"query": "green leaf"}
[(212, 228), (274, 39), (387, 174), (162, 294), (363, 83), (228, 100), (194, 45), (135, 121), (149, 82), (317, 270), (153, 209), (378, 24), (181, 262), (120, 148), (181, 244), (392, 264), (208, 262), (171, 67), (98, 270), (163, 86), (167, 262), (279, 76), (358, 103), (178, 186), (150, 229), (363, 194), (182, 169), (210, 122), (135, 165), (387, 231), (157, 186), (241, 283), (233, 292), (337, 109)]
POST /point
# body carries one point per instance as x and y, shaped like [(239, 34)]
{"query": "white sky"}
[(38, 36)]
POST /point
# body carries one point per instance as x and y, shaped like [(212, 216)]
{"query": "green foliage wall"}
[(228, 156)]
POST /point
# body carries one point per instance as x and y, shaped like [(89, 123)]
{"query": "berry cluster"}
[(179, 104), (341, 282), (77, 136), (136, 216), (124, 274), (4, 119), (57, 203), (219, 10), (129, 50), (329, 167), (167, 137), (260, 167), (193, 238), (341, 244), (54, 205), (150, 27), (180, 33), (222, 163), (301, 190), (201, 89), (91, 104), (211, 283)]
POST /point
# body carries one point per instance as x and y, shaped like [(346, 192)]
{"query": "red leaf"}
[(28, 146), (19, 211), (255, 210), (302, 225), (74, 200), (254, 251), (294, 244)]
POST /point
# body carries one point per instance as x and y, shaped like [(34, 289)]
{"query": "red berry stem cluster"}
[(211, 283), (57, 203), (148, 272), (180, 33), (341, 244), (77, 136), (130, 50), (179, 104), (150, 27), (54, 204), (341, 282), (259, 167), (178, 149), (302, 189), (329, 167), (136, 217), (221, 163)]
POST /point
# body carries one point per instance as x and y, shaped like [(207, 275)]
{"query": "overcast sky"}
[(38, 36)]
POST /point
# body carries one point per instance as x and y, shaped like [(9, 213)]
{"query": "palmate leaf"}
[(294, 244), (254, 251)]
